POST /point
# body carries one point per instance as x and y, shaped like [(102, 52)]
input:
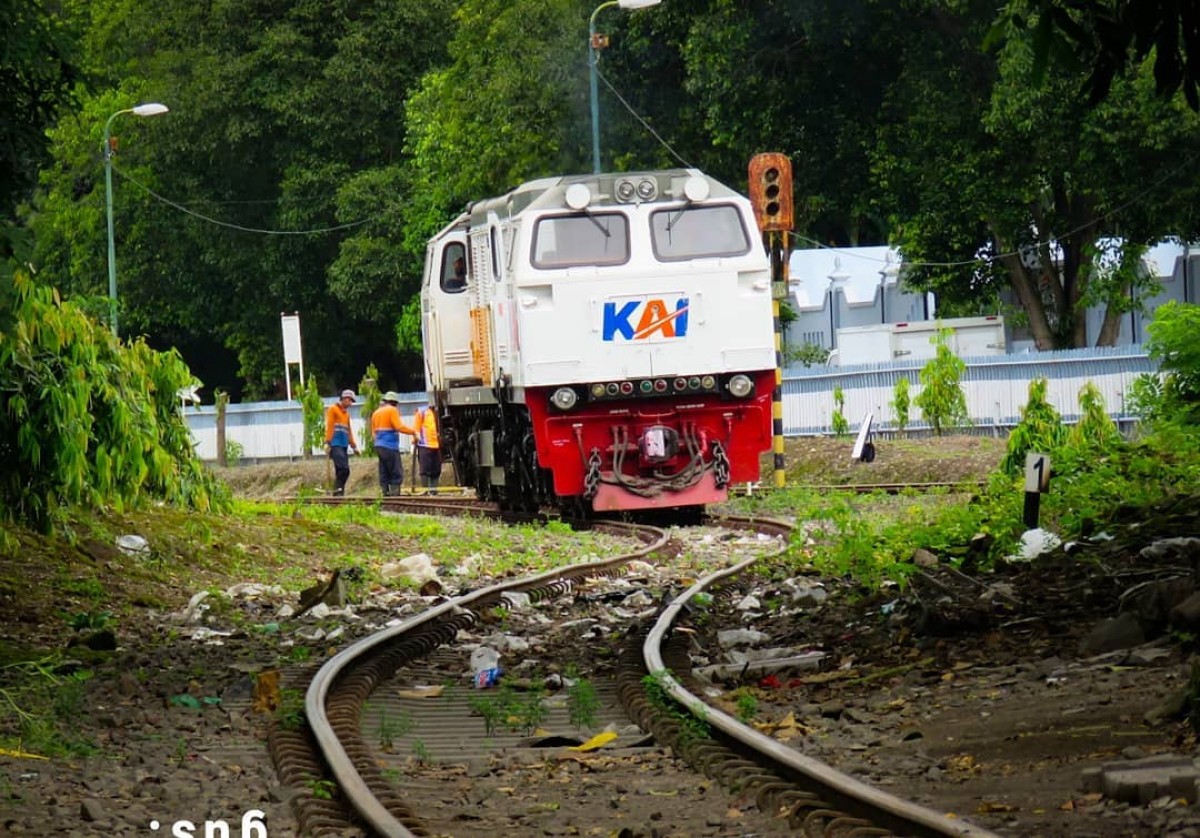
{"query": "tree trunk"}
[(1110, 330), (1027, 293)]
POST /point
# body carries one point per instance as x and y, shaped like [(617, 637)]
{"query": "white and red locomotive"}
[(602, 342)]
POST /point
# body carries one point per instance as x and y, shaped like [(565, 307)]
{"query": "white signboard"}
[(291, 349), (291, 338)]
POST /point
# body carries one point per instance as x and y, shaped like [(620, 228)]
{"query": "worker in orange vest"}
[(386, 427), (429, 452), (339, 436)]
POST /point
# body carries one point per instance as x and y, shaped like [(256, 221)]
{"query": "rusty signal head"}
[(771, 191)]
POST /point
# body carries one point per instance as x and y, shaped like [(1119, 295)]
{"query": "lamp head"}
[(149, 109), (637, 4)]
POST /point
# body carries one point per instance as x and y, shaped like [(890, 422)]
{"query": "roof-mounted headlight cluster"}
[(633, 190)]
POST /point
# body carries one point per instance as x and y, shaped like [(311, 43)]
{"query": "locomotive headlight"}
[(740, 386), (564, 398)]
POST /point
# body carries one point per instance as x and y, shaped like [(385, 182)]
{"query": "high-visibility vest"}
[(386, 427), (338, 431), (425, 424)]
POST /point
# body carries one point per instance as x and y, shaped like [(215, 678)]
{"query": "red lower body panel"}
[(672, 450)]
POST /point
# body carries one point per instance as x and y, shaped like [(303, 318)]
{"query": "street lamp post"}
[(148, 109), (595, 44)]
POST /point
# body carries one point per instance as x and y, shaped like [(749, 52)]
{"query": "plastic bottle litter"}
[(485, 664)]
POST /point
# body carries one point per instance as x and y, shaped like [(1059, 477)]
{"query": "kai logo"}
[(647, 319)]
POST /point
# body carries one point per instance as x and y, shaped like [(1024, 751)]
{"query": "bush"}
[(900, 404), (942, 400), (1173, 343), (1040, 429), (840, 426), (1095, 431), (313, 410), (85, 419)]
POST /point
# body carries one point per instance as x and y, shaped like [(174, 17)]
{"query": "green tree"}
[(942, 400), (39, 67), (281, 159), (1107, 36), (372, 397), (994, 183)]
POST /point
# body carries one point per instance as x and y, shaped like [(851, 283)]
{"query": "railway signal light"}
[(771, 191)]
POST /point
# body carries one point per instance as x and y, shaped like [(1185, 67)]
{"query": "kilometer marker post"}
[(1037, 482)]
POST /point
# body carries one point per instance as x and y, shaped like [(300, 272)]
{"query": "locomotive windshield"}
[(597, 238), (697, 232)]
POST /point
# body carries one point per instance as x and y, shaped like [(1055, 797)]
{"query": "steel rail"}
[(351, 784), (887, 809)]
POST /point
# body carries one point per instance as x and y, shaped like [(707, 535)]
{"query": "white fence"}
[(274, 430), (996, 389)]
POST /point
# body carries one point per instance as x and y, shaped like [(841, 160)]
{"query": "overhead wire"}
[(638, 117), (231, 225)]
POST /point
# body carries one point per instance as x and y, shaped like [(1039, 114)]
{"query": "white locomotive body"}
[(610, 345)]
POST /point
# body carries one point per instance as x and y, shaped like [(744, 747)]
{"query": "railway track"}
[(651, 680)]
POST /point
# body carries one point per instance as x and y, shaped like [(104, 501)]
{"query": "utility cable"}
[(231, 225), (638, 117)]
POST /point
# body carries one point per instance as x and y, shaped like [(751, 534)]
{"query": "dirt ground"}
[(989, 710), (807, 461)]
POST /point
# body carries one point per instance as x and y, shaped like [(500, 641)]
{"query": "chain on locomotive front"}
[(602, 342)]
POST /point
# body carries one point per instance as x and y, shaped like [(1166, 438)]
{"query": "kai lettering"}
[(648, 319)]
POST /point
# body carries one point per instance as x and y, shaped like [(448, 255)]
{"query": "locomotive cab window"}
[(454, 268), (698, 232), (585, 238)]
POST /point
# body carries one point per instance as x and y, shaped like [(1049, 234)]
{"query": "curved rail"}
[(886, 809), (341, 766)]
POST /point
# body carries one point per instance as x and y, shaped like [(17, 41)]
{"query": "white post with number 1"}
[(1037, 481)]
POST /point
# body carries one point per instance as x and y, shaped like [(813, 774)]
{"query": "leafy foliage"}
[(313, 410), (942, 400), (900, 403), (1095, 429), (39, 64), (1107, 37), (87, 420), (808, 354), (1040, 429), (838, 422), (368, 391), (1173, 343)]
